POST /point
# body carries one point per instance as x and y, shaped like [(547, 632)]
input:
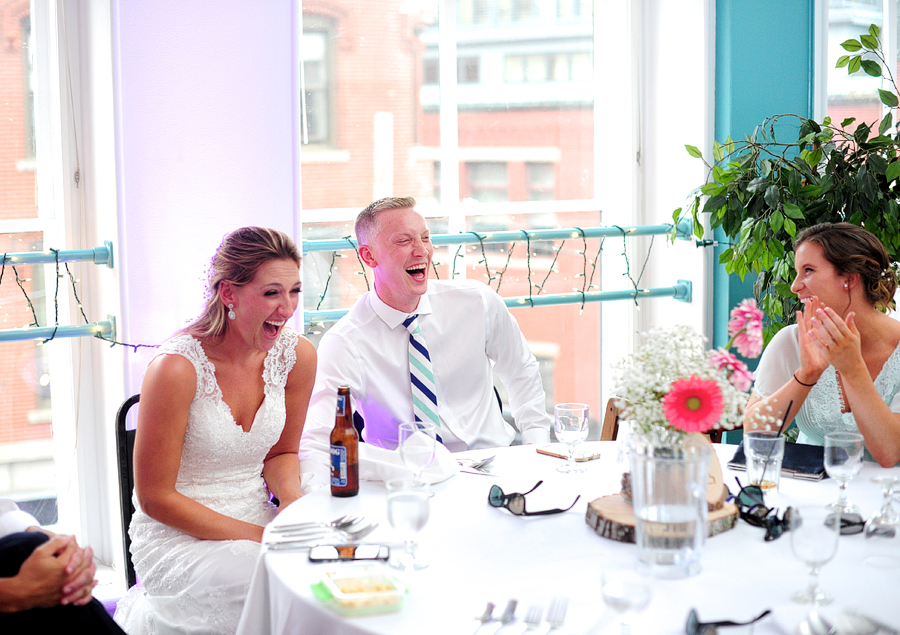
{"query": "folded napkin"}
[(379, 464)]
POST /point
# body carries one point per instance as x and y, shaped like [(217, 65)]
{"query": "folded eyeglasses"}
[(695, 627), (515, 503), (753, 510)]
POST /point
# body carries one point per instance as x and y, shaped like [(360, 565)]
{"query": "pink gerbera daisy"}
[(745, 328), (693, 404)]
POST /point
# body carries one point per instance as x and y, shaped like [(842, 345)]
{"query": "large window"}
[(28, 471), (521, 101), (856, 95)]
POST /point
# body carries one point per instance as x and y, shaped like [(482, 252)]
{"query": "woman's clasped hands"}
[(826, 339)]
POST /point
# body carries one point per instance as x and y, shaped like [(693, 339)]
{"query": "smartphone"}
[(346, 553)]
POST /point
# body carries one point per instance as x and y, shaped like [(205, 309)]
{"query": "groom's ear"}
[(366, 255)]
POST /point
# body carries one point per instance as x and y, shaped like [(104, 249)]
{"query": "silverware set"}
[(349, 528), (533, 620)]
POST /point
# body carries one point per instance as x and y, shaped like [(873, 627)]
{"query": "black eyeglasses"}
[(752, 508), (695, 627), (515, 503), (850, 523)]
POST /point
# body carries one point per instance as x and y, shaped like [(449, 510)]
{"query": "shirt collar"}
[(391, 316)]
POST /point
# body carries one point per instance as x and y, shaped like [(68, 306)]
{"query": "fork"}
[(533, 617), (318, 530), (351, 535), (556, 614), (343, 521)]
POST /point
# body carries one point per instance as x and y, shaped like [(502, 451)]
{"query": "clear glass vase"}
[(669, 486)]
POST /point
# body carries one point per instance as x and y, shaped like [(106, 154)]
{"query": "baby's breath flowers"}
[(672, 385)]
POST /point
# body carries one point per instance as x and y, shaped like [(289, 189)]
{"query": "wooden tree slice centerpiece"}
[(613, 516)]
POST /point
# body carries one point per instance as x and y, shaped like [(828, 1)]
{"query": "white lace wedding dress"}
[(196, 586)]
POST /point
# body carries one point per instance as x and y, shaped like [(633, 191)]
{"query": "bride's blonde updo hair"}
[(853, 249), (237, 260)]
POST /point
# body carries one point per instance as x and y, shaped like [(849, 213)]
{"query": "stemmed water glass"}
[(885, 523), (883, 528), (843, 461), (626, 592), (814, 541), (417, 443), (408, 509), (571, 427)]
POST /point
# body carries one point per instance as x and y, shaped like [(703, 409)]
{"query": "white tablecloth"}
[(479, 553)]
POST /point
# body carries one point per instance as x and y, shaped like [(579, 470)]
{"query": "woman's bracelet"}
[(801, 383)]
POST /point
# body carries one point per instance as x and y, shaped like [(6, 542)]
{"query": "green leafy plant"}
[(762, 191)]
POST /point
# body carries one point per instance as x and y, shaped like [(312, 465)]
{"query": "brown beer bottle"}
[(344, 448)]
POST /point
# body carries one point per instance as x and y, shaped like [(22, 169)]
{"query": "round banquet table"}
[(478, 553)]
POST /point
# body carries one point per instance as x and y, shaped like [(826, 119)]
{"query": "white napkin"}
[(379, 464)]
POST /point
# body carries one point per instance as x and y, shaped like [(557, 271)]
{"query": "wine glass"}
[(625, 591), (571, 427), (814, 541), (417, 442), (883, 527), (843, 461), (408, 509)]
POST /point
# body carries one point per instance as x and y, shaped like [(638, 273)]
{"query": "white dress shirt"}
[(469, 333), (13, 519)]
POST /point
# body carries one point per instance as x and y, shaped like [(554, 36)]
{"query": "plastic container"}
[(359, 588)]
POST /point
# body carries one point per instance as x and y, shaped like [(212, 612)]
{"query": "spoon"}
[(486, 617)]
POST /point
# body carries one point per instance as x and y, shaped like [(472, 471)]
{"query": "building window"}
[(555, 67), (567, 9), (318, 71), (488, 182), (541, 181), (468, 71)]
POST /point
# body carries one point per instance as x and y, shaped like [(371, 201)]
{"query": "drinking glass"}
[(571, 427), (625, 591), (843, 461), (408, 508), (417, 442), (814, 542)]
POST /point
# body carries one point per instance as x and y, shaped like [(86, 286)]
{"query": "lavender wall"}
[(204, 101)]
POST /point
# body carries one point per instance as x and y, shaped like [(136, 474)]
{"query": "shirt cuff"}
[(536, 435)]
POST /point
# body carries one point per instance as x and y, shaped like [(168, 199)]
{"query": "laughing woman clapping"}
[(841, 360)]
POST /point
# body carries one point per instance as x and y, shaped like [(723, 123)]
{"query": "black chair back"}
[(125, 451)]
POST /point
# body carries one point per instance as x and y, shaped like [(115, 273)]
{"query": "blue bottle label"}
[(338, 466), (340, 405)]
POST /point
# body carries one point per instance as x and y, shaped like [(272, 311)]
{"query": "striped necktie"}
[(421, 375)]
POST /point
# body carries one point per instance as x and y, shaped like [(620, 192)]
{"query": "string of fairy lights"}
[(494, 277)]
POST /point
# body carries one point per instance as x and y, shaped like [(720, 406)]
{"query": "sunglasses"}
[(753, 510), (515, 503), (850, 523), (695, 627)]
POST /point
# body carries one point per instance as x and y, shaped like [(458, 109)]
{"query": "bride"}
[(221, 415)]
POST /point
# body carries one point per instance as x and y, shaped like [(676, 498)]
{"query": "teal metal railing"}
[(105, 329), (681, 290)]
